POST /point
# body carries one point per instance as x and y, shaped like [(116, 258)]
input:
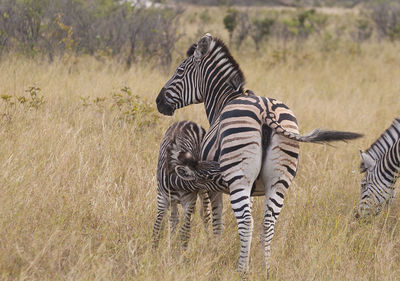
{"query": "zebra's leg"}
[(162, 207), (174, 218), (188, 201), (239, 170), (241, 206), (278, 172), (217, 208), (204, 208), (272, 209)]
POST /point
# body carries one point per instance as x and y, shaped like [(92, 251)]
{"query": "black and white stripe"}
[(381, 165), (255, 140)]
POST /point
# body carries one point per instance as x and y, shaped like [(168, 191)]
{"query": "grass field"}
[(78, 175)]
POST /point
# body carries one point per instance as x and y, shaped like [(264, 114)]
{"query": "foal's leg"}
[(174, 218), (204, 208), (217, 208), (188, 201), (162, 207)]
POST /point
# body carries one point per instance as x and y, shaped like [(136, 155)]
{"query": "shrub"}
[(363, 30), (35, 99), (132, 107)]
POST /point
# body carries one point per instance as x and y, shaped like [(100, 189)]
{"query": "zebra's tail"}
[(316, 136), (323, 136)]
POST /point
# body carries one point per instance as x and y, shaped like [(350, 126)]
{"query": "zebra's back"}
[(242, 129)]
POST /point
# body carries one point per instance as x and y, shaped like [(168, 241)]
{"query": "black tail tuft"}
[(322, 136)]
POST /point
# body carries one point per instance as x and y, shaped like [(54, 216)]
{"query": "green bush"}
[(132, 108), (363, 29), (305, 23)]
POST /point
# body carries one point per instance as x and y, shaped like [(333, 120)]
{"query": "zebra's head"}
[(207, 61), (182, 88), (374, 194)]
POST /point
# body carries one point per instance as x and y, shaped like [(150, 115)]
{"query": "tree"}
[(261, 29), (230, 23)]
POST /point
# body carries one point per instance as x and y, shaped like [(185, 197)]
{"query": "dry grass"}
[(78, 188)]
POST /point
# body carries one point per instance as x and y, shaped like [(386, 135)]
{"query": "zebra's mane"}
[(239, 74), (383, 144), (238, 79)]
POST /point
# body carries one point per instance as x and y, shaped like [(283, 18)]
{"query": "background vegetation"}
[(129, 32), (80, 134)]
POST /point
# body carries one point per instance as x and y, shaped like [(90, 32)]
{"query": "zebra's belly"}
[(258, 188)]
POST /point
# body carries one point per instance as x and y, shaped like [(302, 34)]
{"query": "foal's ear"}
[(185, 173), (367, 162), (202, 46)]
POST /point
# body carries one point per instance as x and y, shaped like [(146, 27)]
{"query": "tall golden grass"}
[(78, 183)]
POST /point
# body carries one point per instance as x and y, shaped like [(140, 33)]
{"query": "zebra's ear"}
[(185, 173), (367, 163), (191, 50), (203, 46)]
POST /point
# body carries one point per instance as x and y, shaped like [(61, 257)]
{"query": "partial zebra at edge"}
[(380, 164), (379, 147)]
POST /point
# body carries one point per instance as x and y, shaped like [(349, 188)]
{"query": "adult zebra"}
[(182, 138), (254, 139), (381, 165)]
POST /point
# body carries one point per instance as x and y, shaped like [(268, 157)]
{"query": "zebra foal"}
[(380, 164), (181, 138), (255, 140)]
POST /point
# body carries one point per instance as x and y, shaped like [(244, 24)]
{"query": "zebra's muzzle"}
[(162, 105)]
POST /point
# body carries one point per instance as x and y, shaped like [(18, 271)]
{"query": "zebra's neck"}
[(390, 164), (216, 100), (223, 80)]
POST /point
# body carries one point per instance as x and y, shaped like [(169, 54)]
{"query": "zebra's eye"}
[(363, 185), (180, 70)]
